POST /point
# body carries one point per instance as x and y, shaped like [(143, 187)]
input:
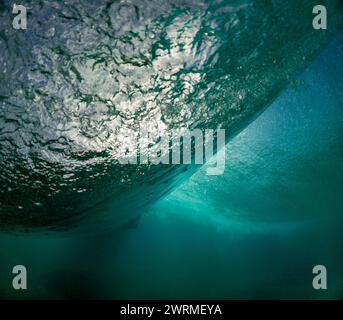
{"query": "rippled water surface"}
[(87, 71)]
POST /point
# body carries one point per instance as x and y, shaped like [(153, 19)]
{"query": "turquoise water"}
[(254, 232), (85, 73)]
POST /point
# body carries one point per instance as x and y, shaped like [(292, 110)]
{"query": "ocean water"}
[(85, 73), (254, 232)]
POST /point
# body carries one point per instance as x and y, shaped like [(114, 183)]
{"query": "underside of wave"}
[(85, 73), (284, 169)]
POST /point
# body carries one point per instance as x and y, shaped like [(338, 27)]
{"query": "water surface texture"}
[(84, 72), (253, 233)]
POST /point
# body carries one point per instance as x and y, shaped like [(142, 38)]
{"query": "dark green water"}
[(85, 72), (254, 232)]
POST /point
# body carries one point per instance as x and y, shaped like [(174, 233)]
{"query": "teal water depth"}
[(254, 232)]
